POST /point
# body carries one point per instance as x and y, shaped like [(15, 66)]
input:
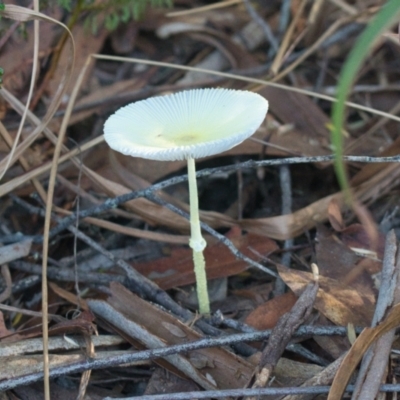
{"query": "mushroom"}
[(187, 125)]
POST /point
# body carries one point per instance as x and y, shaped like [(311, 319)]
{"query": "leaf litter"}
[(87, 298)]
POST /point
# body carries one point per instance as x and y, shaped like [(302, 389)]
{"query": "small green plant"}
[(110, 13), (387, 16)]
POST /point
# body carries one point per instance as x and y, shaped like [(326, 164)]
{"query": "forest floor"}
[(302, 283)]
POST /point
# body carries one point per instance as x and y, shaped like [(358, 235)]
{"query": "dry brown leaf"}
[(17, 52), (177, 269), (337, 261), (139, 233), (357, 238), (288, 226), (370, 227), (267, 315), (335, 216), (310, 135), (364, 238), (335, 346), (86, 43), (93, 102), (341, 304)]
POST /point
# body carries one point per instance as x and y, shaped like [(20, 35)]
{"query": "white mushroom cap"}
[(189, 124)]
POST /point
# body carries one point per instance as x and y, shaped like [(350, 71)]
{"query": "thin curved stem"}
[(197, 242)]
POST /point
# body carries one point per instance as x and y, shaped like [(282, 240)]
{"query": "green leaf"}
[(126, 13), (66, 4), (385, 18), (111, 22)]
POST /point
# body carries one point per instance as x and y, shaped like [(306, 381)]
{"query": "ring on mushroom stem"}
[(187, 125)]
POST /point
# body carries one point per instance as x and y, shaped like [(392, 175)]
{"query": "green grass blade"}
[(385, 18)]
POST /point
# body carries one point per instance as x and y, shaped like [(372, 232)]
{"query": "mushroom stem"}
[(197, 242)]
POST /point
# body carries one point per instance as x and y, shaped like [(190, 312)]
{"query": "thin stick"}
[(45, 332), (46, 232)]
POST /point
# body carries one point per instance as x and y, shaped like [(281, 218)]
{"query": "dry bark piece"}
[(14, 251), (340, 304), (156, 328)]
